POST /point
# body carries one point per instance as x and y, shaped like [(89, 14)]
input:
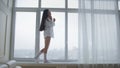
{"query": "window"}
[(119, 4), (25, 24), (26, 3), (53, 3), (28, 40), (72, 3), (73, 36), (102, 5)]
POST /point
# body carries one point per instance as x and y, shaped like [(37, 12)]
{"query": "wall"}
[(5, 29)]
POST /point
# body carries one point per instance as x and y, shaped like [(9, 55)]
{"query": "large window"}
[(27, 38)]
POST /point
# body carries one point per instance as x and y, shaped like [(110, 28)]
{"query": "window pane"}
[(104, 4), (57, 46), (53, 3), (25, 34), (85, 4), (72, 3), (119, 4), (106, 37), (72, 36), (26, 3)]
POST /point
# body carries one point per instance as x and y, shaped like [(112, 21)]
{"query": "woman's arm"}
[(50, 22)]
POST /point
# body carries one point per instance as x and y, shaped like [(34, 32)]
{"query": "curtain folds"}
[(98, 32)]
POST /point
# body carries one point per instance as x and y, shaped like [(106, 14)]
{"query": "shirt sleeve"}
[(50, 23)]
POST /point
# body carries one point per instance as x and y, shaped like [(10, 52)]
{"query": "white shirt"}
[(48, 32)]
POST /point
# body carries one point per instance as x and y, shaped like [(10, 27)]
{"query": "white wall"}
[(5, 29)]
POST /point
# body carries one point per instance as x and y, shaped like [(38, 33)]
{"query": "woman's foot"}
[(37, 60), (45, 58), (37, 56), (46, 61)]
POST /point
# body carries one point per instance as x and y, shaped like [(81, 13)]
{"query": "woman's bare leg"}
[(45, 49), (39, 53), (47, 42)]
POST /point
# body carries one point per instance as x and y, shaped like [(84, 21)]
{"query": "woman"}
[(47, 24)]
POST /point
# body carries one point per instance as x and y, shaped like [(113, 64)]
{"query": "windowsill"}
[(54, 63), (26, 62), (60, 65), (42, 63)]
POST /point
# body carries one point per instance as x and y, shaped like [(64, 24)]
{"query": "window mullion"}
[(13, 32), (37, 46), (66, 30)]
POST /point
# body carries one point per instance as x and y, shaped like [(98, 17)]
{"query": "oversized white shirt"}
[(48, 32)]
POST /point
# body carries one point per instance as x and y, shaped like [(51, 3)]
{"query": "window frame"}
[(38, 10), (38, 14)]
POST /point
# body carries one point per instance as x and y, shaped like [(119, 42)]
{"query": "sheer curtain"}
[(98, 32)]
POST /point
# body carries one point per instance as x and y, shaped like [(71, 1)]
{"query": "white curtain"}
[(98, 32)]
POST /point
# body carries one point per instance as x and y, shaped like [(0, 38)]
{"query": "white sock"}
[(37, 55), (45, 57)]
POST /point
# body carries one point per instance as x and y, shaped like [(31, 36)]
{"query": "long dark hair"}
[(44, 17)]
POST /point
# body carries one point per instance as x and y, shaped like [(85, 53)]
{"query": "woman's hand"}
[(53, 19)]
